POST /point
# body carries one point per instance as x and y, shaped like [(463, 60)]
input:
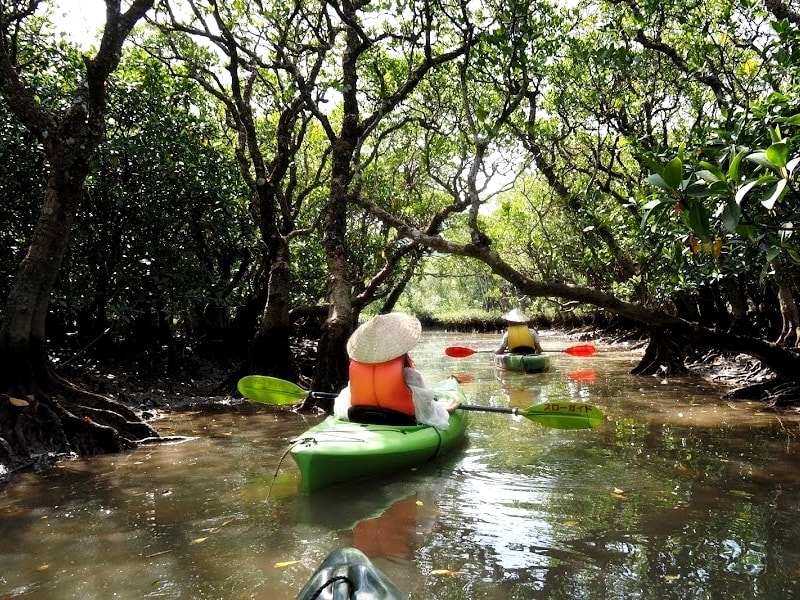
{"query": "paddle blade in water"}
[(270, 390), (571, 415), (459, 351), (581, 350)]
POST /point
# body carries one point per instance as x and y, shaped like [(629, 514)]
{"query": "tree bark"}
[(41, 414)]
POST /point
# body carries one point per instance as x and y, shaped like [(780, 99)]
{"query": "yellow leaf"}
[(199, 540), (444, 572), (18, 401), (286, 563), (41, 568), (419, 502)]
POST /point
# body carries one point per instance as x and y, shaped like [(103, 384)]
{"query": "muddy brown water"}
[(678, 494)]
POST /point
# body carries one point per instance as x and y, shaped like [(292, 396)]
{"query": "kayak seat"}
[(374, 415)]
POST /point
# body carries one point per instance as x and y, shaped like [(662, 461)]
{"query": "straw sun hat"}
[(516, 316), (384, 337)]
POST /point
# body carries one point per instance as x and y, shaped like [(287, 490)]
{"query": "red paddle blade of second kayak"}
[(581, 350), (459, 351)]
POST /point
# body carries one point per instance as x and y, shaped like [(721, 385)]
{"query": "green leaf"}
[(708, 176), (793, 120), (760, 158), (778, 154), (792, 165), (696, 218), (772, 253), (740, 194), (673, 173), (733, 169), (731, 214), (775, 193), (654, 208), (658, 181), (711, 168)]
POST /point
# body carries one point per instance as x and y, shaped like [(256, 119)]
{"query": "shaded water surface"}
[(678, 494)]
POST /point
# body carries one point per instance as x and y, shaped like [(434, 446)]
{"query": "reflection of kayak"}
[(529, 363), (348, 574), (338, 450)]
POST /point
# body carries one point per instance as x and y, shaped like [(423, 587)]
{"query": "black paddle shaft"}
[(497, 409)]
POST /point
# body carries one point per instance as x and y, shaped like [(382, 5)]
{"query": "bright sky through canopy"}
[(81, 20)]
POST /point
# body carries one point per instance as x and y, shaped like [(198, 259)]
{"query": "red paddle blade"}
[(581, 350), (459, 351)]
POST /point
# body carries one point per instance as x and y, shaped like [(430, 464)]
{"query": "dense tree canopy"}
[(261, 172)]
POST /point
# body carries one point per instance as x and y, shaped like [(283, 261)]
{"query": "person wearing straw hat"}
[(384, 386), (519, 338)]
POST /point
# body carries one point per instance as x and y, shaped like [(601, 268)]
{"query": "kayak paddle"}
[(567, 415), (577, 350)]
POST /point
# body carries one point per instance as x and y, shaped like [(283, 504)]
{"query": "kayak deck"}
[(337, 450), (347, 573), (529, 363)]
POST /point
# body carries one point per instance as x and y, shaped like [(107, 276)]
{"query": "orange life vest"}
[(381, 385), (519, 337)]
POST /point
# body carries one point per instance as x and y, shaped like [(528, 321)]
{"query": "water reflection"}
[(678, 494)]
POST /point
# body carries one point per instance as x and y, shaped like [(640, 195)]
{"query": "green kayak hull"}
[(337, 450), (347, 574), (529, 363)]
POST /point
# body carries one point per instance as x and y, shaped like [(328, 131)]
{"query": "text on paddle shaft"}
[(573, 408)]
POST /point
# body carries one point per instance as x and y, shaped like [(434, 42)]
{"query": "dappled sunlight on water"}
[(678, 493)]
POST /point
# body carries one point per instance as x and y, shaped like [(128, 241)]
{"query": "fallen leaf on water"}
[(444, 572), (286, 563), (419, 503), (41, 568), (199, 540)]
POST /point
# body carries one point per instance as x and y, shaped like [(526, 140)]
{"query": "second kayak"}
[(529, 363)]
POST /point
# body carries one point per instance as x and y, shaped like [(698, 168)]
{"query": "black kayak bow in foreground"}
[(558, 415)]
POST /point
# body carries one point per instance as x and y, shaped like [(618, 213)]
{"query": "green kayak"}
[(529, 363), (337, 450), (347, 574)]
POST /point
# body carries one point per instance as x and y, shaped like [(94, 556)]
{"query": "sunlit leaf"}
[(760, 158), (18, 401), (778, 154), (445, 572), (199, 540), (771, 196), (793, 120)]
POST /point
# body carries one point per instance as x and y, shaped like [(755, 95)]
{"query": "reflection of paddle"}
[(564, 415), (559, 415), (583, 376), (578, 350)]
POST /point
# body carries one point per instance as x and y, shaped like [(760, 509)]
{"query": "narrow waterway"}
[(678, 494)]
